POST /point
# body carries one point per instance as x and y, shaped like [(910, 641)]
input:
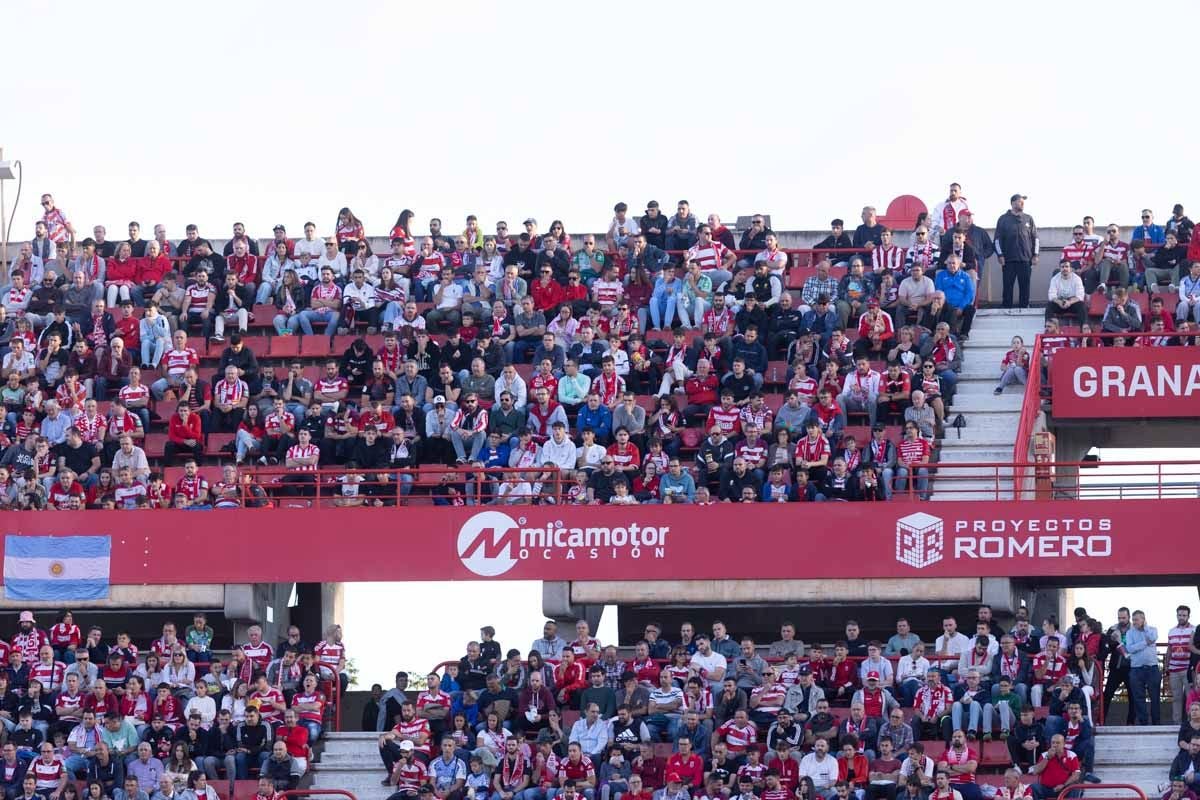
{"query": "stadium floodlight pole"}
[(7, 172)]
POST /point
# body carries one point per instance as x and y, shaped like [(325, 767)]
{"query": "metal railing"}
[(1078, 789)]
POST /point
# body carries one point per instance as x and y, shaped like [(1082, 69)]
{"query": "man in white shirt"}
[(559, 451), (310, 243), (360, 297), (447, 296), (1066, 295), (708, 664), (514, 491), (822, 768), (948, 648)]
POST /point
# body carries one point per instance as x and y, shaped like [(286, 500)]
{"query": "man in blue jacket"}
[(959, 289)]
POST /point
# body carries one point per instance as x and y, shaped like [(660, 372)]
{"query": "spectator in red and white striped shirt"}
[(302, 458), (914, 460), (715, 259), (230, 397)]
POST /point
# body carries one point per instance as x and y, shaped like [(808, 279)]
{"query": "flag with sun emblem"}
[(53, 568)]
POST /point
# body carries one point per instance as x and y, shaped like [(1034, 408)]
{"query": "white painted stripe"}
[(43, 568)]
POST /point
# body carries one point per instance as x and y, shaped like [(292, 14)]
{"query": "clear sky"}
[(271, 112)]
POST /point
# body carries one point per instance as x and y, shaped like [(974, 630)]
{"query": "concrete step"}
[(984, 429), (973, 397), (970, 454), (999, 336)]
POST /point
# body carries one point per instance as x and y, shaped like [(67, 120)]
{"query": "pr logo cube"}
[(920, 540)]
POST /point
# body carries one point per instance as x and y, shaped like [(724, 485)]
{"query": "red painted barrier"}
[(1133, 382), (877, 540)]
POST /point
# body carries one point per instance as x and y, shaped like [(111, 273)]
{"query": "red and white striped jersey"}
[(329, 654), (1078, 251), (625, 457), (410, 776), (913, 450), (140, 393), (56, 225), (607, 293), (430, 266), (260, 654), (761, 416), (178, 361), (737, 738), (47, 775), (729, 420), (332, 385), (126, 423), (719, 323), (888, 259), (710, 257), (812, 450), (274, 423), (609, 387), (310, 716), (1116, 252), (50, 675), (327, 291), (197, 296), (191, 488), (298, 451), (265, 701), (230, 393), (804, 386), (752, 452), (412, 729), (91, 429)]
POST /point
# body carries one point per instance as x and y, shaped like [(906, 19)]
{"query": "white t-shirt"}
[(451, 296), (510, 493), (315, 248), (711, 662)]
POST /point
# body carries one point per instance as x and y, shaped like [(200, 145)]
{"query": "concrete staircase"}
[(991, 420), (1136, 755), (351, 762)]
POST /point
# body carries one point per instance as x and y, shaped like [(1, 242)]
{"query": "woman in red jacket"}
[(150, 271), (120, 275)]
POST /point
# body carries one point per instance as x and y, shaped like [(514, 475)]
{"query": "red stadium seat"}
[(154, 444), (342, 343), (314, 346), (283, 346)]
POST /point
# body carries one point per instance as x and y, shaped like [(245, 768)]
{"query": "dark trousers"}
[(963, 319), (1015, 272), (1077, 311), (1112, 681), (1145, 681), (171, 450)]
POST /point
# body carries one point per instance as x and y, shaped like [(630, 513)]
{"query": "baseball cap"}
[(873, 303), (529, 220), (873, 675), (279, 228), (805, 669), (673, 777), (652, 204), (440, 400), (26, 616), (406, 745), (1017, 197), (966, 212)]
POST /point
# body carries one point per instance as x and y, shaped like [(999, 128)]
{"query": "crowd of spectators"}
[(535, 357), (880, 718), (161, 721)]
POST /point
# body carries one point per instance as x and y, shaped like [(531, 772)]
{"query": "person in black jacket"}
[(371, 452), (735, 479), (1016, 244), (1185, 761), (103, 768), (195, 737), (838, 239), (278, 767), (785, 327), (253, 743), (839, 484), (1027, 741), (222, 747), (754, 238)]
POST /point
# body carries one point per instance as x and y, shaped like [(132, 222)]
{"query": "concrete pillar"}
[(333, 605), (557, 605)]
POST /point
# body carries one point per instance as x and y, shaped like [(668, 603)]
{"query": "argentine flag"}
[(53, 568)]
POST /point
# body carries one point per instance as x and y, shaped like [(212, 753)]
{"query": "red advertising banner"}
[(649, 542), (1095, 383)]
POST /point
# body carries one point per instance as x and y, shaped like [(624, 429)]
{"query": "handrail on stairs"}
[(1077, 790)]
